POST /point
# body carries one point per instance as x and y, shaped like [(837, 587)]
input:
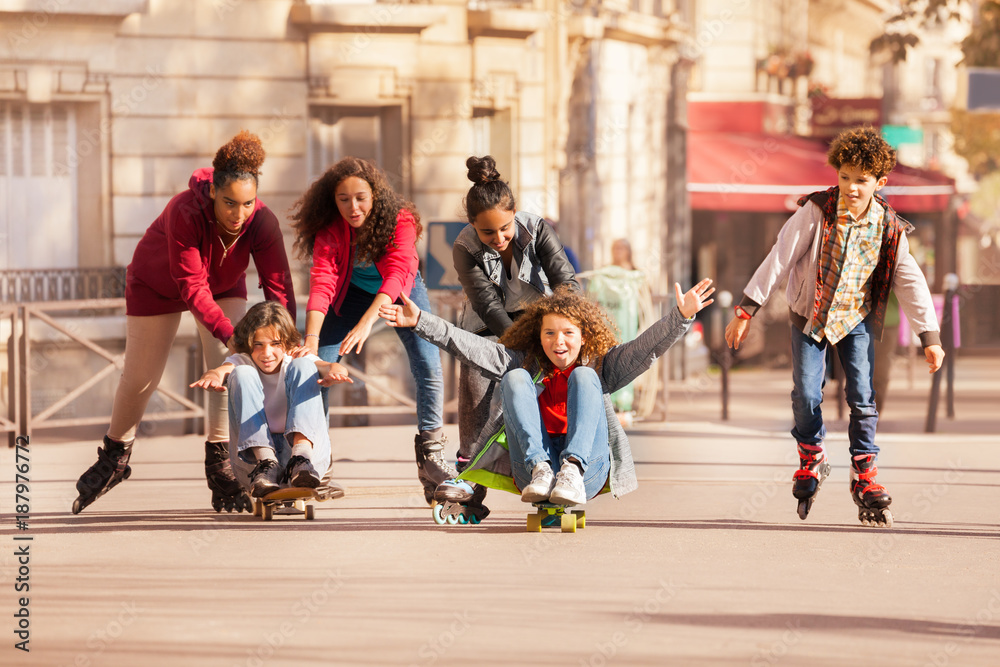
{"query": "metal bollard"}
[(723, 354), (948, 343)]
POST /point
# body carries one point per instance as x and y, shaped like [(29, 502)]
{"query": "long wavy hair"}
[(318, 208), (597, 332)]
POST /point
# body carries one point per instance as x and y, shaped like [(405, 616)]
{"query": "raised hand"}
[(694, 299), (395, 315)]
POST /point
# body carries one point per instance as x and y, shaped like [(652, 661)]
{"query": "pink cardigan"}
[(333, 262)]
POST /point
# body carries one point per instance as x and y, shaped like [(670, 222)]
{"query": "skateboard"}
[(291, 500), (549, 514)]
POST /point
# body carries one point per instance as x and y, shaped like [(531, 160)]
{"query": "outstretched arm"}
[(623, 363), (491, 359), (214, 379), (405, 316)]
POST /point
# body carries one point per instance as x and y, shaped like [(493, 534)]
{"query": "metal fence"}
[(24, 323)]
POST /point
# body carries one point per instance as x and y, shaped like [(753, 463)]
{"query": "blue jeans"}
[(425, 358), (857, 356), (586, 439), (248, 422)]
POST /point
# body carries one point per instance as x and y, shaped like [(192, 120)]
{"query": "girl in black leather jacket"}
[(505, 260)]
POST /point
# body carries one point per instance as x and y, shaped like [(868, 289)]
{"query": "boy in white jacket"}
[(842, 252)]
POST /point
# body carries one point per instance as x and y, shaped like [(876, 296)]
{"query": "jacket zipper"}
[(225, 250)]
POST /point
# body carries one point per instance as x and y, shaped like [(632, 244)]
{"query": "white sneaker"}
[(541, 484), (569, 489)]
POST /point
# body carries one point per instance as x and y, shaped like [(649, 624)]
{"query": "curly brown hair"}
[(238, 160), (318, 208), (862, 147), (270, 314), (597, 332)]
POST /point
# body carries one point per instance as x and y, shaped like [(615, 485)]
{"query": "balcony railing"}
[(32, 285)]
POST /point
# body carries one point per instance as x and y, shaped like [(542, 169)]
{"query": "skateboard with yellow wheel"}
[(549, 514), (292, 500)]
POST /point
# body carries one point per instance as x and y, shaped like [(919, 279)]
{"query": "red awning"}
[(737, 171)]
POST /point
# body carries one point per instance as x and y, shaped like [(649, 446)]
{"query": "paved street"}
[(706, 564)]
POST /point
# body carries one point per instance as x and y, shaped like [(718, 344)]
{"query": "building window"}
[(370, 133), (38, 193), (492, 135)]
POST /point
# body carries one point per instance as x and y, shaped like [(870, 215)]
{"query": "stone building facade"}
[(107, 106), (129, 96)]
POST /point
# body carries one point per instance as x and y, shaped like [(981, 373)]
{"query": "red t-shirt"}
[(552, 400)]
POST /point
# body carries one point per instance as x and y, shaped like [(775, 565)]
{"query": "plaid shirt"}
[(846, 264)]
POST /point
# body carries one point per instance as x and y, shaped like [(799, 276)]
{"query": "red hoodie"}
[(333, 263), (180, 263)]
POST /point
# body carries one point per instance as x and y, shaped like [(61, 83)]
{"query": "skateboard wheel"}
[(310, 512), (267, 511), (534, 523), (581, 519), (257, 507), (568, 522)]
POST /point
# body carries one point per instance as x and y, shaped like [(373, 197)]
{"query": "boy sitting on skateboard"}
[(842, 252), (278, 429), (557, 365)]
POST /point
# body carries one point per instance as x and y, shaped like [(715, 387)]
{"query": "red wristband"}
[(742, 314)]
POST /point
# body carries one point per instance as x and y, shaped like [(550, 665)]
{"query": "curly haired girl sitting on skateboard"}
[(558, 365), (278, 427)]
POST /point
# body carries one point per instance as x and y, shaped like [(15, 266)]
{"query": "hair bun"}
[(244, 154), (482, 169)]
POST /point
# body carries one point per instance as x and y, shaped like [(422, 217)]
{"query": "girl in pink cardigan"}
[(362, 238)]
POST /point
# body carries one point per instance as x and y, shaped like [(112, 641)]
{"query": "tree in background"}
[(977, 133)]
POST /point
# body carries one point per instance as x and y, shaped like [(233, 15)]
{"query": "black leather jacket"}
[(543, 265)]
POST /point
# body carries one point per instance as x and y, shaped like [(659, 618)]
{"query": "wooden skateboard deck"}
[(290, 500)]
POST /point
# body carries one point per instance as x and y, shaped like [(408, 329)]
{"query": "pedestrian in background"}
[(624, 293)]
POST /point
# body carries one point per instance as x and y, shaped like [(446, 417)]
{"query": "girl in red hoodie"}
[(193, 257), (362, 238)]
